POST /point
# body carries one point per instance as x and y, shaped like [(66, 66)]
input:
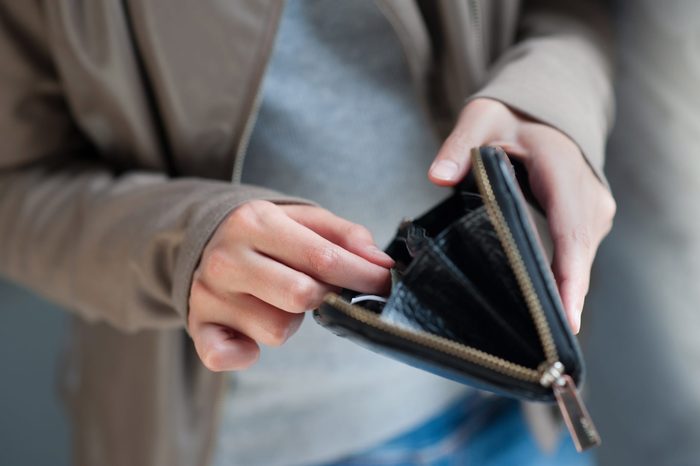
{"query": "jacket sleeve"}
[(560, 72), (114, 247)]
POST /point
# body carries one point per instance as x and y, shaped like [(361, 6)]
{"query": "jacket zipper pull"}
[(576, 417)]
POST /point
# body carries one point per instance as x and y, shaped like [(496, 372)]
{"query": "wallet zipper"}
[(551, 373), (439, 343)]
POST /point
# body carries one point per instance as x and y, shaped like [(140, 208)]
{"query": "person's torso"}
[(340, 123), (175, 89), (171, 88)]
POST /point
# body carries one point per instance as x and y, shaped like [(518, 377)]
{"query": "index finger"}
[(305, 250), (578, 219)]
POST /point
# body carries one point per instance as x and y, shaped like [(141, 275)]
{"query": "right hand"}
[(266, 265)]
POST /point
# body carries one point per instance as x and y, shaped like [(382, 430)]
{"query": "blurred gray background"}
[(33, 425)]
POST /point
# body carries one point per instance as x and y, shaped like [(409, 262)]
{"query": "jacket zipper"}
[(244, 141), (475, 16), (237, 173), (551, 373)]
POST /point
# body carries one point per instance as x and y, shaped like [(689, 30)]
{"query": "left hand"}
[(579, 208)]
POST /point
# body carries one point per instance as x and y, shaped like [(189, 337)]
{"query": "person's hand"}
[(579, 208), (264, 267)]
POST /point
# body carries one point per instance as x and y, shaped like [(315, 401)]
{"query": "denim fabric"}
[(479, 431)]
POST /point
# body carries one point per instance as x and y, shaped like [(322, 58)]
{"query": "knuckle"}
[(323, 259), (261, 210), (560, 238), (216, 264), (277, 332), (582, 237), (358, 233), (301, 293), (609, 209), (243, 218), (573, 239), (251, 214)]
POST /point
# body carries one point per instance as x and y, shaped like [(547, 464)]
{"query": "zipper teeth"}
[(435, 342), (245, 138), (475, 13), (460, 350), (516, 261), (244, 141)]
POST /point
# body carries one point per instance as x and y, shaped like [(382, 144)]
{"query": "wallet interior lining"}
[(432, 283)]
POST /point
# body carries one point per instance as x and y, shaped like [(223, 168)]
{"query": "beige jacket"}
[(122, 124)]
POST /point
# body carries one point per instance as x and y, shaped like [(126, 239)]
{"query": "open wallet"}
[(473, 299)]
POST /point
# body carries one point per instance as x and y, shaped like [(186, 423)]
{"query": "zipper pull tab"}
[(576, 417)]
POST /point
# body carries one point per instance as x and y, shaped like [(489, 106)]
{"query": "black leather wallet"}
[(473, 299)]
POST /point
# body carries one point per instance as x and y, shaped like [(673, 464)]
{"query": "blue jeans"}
[(476, 431)]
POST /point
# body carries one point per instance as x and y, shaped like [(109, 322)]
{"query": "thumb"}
[(480, 122)]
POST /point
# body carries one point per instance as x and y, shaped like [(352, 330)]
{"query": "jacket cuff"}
[(573, 97)]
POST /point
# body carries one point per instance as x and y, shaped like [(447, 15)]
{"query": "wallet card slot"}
[(497, 161), (437, 298), (474, 247), (474, 239)]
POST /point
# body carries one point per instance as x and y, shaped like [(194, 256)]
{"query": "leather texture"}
[(456, 282)]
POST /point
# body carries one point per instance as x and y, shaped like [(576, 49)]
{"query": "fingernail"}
[(445, 170), (577, 321), (379, 253)]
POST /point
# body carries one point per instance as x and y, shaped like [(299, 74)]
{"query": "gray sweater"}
[(339, 124)]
